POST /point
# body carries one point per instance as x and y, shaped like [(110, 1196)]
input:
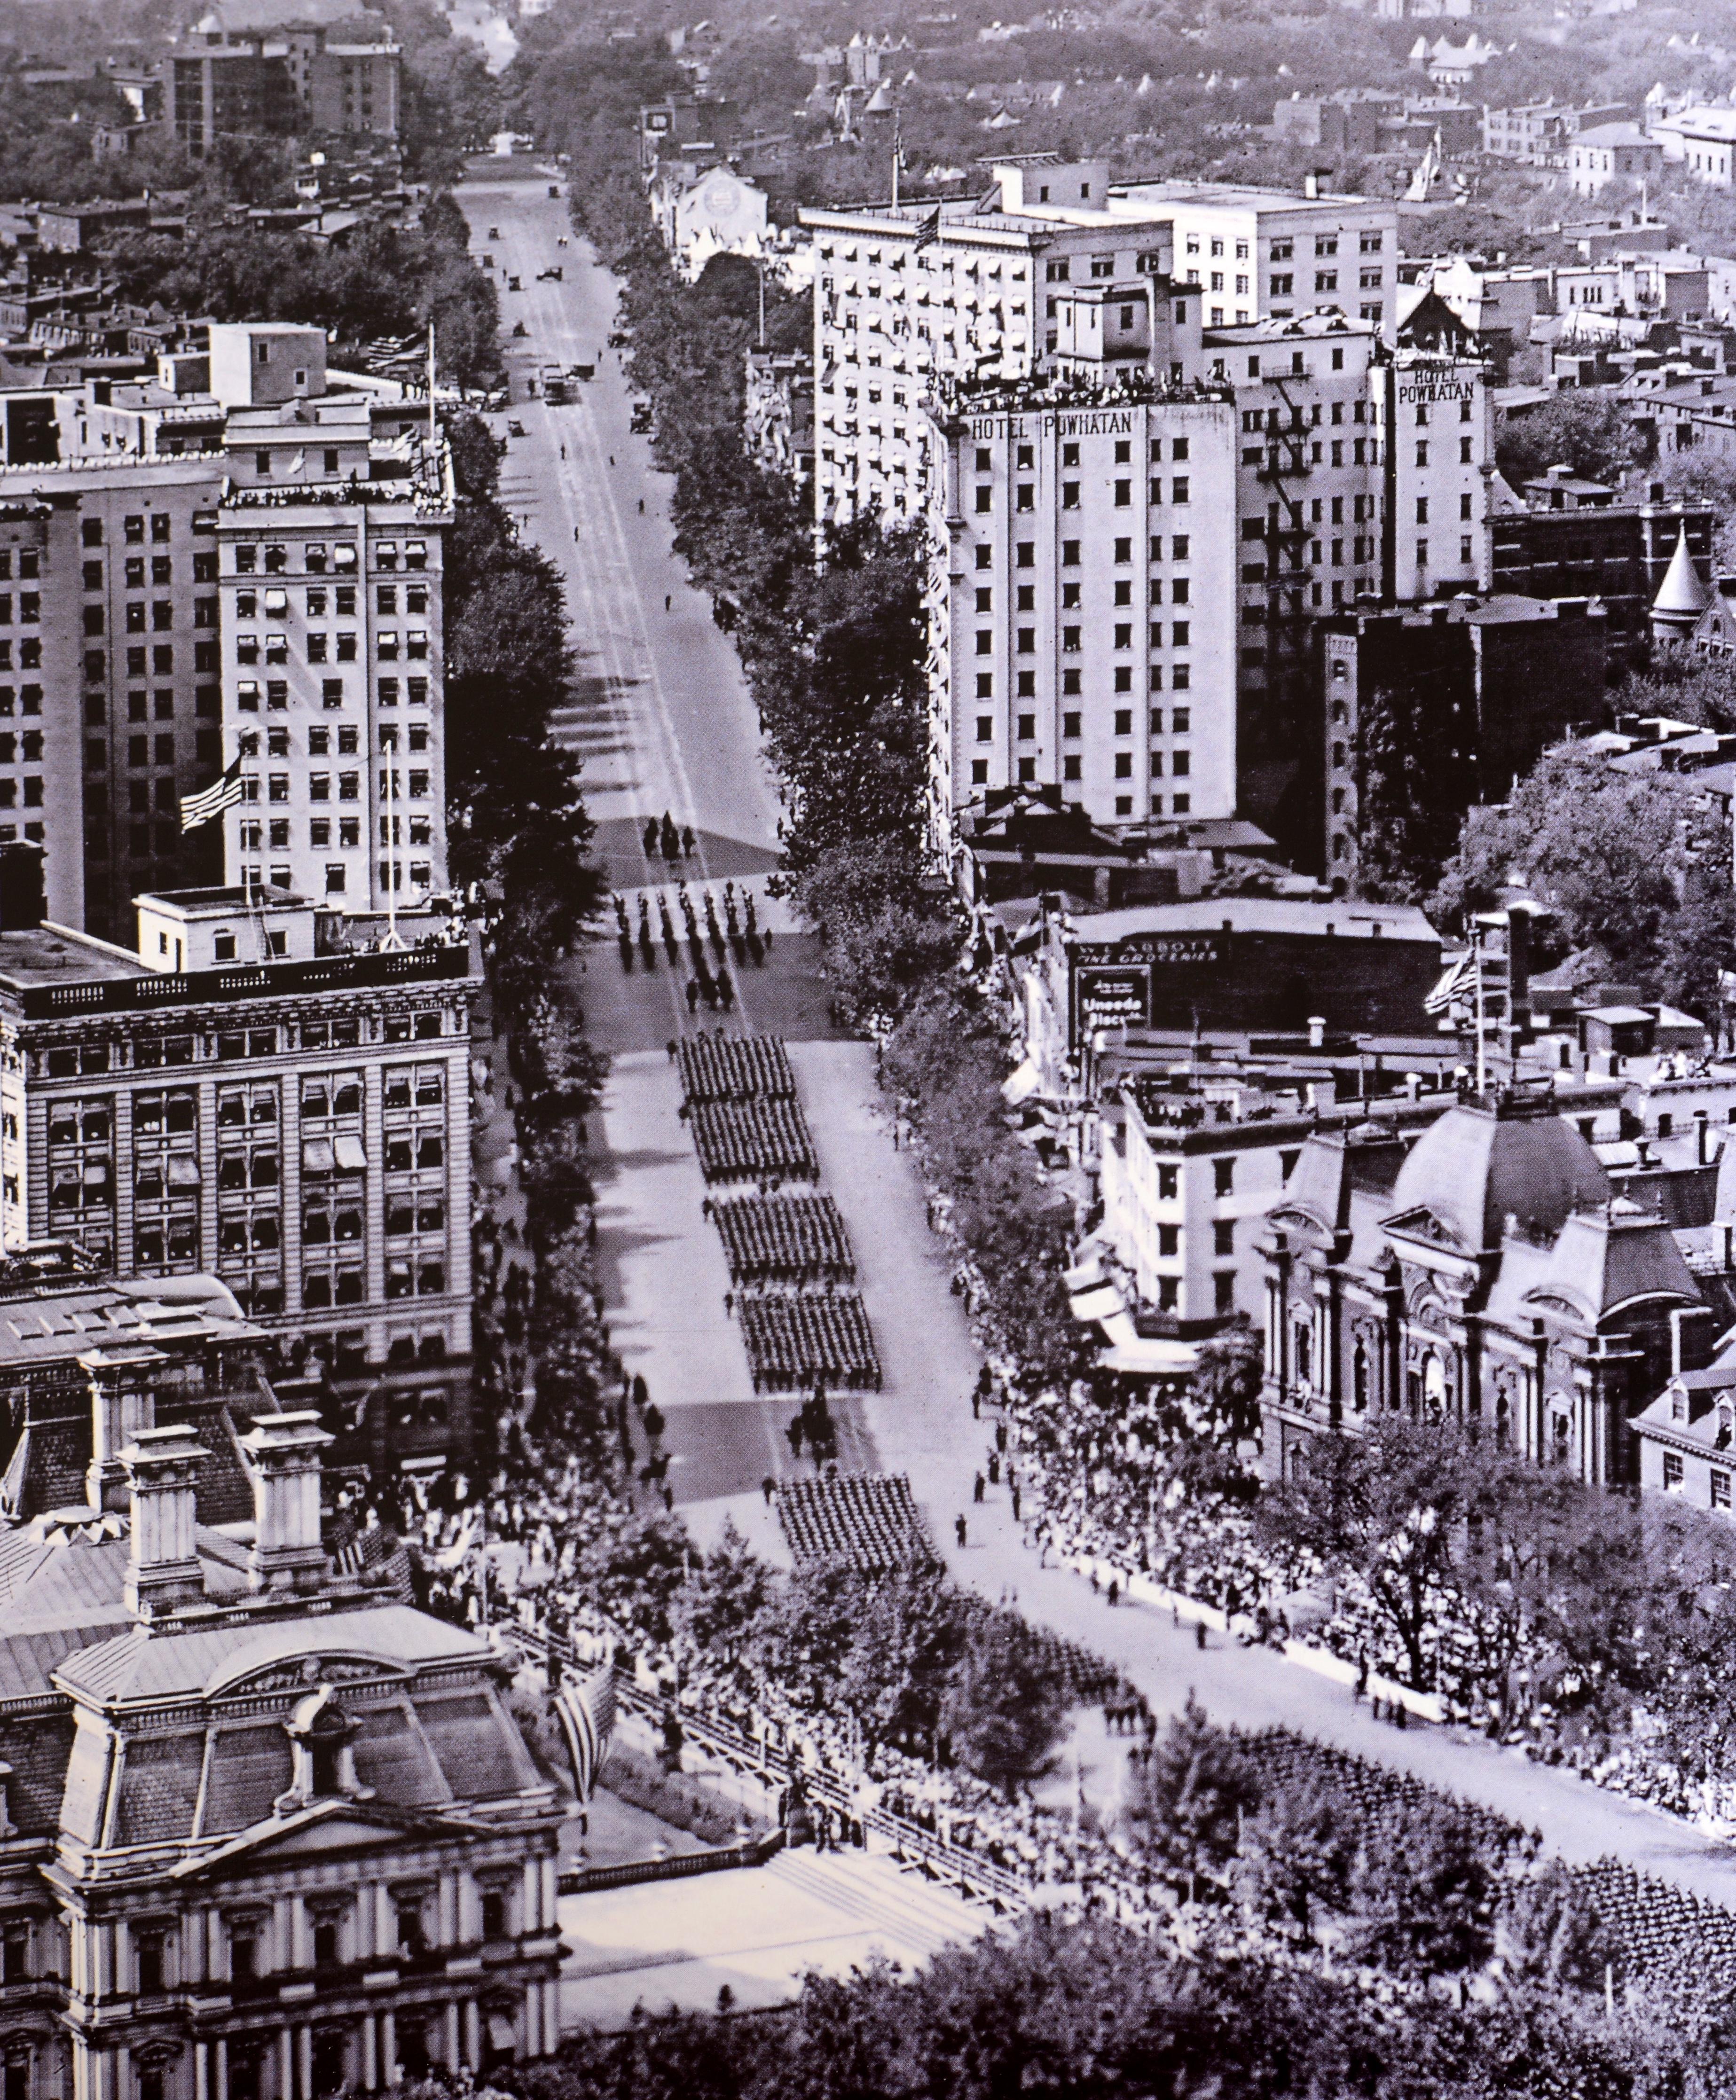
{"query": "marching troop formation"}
[(794, 1240), (765, 1142), (794, 1342), (735, 1068), (870, 1519), (804, 1325)]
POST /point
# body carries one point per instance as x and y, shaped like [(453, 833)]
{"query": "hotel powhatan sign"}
[(1111, 982)]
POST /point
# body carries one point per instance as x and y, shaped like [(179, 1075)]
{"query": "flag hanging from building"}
[(929, 233), (200, 809), (586, 1707)]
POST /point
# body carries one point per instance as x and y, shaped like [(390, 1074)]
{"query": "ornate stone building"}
[(1485, 1272), (267, 1831)]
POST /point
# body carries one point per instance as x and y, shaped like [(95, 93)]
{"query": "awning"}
[(1152, 1357), (1085, 1276), (317, 1155), (1020, 1084), (350, 1155), (184, 1171), (1102, 1303)]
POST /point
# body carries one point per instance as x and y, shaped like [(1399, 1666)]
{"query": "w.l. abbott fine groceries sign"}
[(1112, 981)]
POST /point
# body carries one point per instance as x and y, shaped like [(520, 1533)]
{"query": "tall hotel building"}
[(967, 291), (1127, 568)]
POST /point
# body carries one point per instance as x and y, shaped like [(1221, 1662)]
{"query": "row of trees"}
[(1501, 1580), (1096, 2012), (920, 1665), (384, 280)]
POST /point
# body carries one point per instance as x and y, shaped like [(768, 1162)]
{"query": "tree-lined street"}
[(663, 721)]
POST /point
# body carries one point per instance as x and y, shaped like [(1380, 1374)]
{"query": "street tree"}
[(1186, 1801)]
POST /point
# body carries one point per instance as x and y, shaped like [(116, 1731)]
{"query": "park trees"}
[(1003, 1710), (1635, 866), (1585, 429)]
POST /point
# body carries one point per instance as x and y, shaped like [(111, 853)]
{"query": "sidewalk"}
[(922, 1425)]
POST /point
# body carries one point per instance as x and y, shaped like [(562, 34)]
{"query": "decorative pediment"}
[(303, 1673), (1422, 1223), (326, 1828)]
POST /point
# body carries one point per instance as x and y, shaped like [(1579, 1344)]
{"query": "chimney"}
[(121, 1413), (1311, 184), (162, 1470), (283, 1453), (1317, 1031), (21, 896), (1701, 1134), (1519, 973)]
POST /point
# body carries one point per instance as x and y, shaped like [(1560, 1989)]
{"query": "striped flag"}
[(200, 809), (585, 1706), (929, 233)]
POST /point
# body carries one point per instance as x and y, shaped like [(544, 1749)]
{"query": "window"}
[(1720, 1488), (1223, 1177), (1672, 1467)]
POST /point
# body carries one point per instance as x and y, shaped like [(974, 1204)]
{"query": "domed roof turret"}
[(1480, 1166)]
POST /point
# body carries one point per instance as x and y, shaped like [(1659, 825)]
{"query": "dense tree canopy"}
[(1634, 865)]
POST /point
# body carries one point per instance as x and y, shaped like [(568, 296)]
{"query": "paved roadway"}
[(661, 720)]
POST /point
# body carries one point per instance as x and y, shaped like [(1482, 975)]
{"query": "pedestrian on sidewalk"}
[(1115, 1591), (669, 1048), (1000, 1435), (667, 599), (976, 1391), (575, 536), (729, 1304), (976, 1493), (768, 1488), (1015, 1505), (1200, 1633), (1361, 1685), (641, 506), (958, 1526)]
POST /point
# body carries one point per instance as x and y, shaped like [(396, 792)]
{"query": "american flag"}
[(586, 1707), (928, 233), (200, 809)]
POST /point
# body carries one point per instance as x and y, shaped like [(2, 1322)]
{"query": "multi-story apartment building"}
[(1086, 569), (250, 1094), (108, 626), (1320, 469), (120, 689), (267, 1831), (1010, 288), (1255, 253), (330, 584), (280, 81)]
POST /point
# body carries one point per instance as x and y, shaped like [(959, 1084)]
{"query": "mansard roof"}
[(1477, 1167)]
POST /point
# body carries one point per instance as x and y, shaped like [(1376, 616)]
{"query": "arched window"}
[(1434, 1387)]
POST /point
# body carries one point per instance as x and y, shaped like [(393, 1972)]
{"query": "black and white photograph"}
[(867, 1050)]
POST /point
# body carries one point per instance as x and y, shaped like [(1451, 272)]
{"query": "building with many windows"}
[(1011, 287), (261, 1093), (122, 688), (1086, 566), (1079, 527), (1489, 1274), (267, 1831)]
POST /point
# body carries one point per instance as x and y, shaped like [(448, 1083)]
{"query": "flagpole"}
[(897, 154), (431, 380)]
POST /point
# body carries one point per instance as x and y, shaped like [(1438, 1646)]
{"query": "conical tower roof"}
[(1681, 596)]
